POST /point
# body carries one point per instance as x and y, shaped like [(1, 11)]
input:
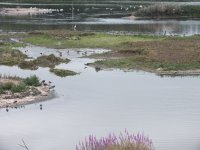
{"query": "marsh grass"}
[(32, 81), (62, 72), (18, 88), (174, 53), (43, 61), (85, 40), (11, 56), (21, 86)]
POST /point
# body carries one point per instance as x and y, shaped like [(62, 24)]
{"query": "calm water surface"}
[(166, 109), (99, 17)]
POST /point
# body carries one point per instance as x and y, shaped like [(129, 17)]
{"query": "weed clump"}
[(62, 72), (18, 88), (32, 81)]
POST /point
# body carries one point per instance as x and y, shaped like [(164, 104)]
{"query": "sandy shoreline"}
[(19, 99)]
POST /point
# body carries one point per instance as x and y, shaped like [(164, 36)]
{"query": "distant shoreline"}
[(24, 11)]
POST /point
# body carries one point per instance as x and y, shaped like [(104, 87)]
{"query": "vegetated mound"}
[(11, 56), (62, 72), (43, 61), (17, 91)]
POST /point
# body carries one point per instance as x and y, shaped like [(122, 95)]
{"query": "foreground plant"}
[(124, 141)]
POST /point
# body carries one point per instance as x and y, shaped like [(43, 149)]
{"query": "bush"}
[(18, 88), (32, 81)]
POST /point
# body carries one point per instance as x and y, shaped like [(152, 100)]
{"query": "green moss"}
[(62, 72)]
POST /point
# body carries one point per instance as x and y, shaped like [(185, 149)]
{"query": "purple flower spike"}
[(112, 142)]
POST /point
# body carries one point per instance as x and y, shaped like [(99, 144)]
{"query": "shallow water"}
[(166, 109)]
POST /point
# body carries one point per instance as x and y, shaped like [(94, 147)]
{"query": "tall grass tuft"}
[(32, 81), (125, 141), (18, 88)]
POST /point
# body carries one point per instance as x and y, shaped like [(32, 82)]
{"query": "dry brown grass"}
[(171, 50), (170, 54)]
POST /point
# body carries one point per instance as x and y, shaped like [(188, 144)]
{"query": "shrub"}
[(18, 88), (7, 86), (32, 81), (124, 141)]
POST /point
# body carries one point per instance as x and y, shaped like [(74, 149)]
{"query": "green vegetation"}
[(18, 86), (168, 10), (69, 39), (32, 81), (10, 56), (62, 72), (43, 61), (173, 53), (49, 61)]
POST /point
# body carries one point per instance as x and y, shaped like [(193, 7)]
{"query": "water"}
[(99, 17), (166, 109)]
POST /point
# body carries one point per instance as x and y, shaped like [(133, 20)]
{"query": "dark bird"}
[(52, 87), (40, 106), (60, 54), (41, 53)]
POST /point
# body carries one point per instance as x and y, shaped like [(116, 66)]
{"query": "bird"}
[(52, 87), (60, 54), (43, 82), (40, 106), (74, 27), (41, 53)]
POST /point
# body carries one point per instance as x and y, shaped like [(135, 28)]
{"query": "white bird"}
[(74, 27)]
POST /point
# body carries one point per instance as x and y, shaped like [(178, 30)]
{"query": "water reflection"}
[(168, 27)]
